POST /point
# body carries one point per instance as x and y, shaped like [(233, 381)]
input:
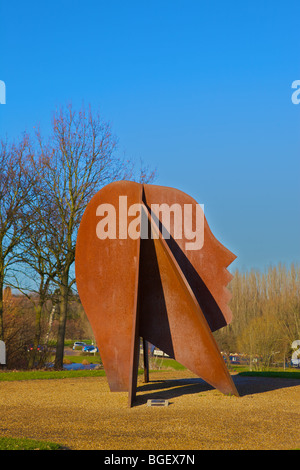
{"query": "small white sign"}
[(2, 353)]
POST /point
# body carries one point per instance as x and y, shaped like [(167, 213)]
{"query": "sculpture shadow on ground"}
[(170, 389)]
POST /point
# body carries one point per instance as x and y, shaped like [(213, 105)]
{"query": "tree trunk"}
[(37, 337), (63, 311), (50, 325), (1, 309)]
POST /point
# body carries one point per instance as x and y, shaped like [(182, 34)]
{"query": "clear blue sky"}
[(201, 90)]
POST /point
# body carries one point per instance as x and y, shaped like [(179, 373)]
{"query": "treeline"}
[(266, 314), (20, 323), (45, 185)]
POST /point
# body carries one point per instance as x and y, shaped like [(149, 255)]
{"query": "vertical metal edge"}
[(135, 339)]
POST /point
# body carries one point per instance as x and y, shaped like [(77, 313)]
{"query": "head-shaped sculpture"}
[(147, 265)]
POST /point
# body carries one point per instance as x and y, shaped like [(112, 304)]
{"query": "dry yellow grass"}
[(84, 414)]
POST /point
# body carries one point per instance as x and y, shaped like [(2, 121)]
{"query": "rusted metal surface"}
[(204, 269), (152, 287), (107, 281), (186, 335)]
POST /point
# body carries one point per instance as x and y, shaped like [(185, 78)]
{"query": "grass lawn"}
[(158, 364), (293, 374), (9, 443), (51, 374), (168, 363), (78, 359)]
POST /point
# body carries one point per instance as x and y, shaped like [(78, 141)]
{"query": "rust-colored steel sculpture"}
[(139, 274)]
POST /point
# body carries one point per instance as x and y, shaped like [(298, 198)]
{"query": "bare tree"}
[(266, 313), (35, 268), (16, 184), (78, 159)]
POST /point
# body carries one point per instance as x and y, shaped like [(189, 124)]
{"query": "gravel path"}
[(83, 414)]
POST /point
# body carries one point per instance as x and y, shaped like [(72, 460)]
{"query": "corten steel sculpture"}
[(133, 284)]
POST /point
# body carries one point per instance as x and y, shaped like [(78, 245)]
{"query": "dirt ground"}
[(83, 414)]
